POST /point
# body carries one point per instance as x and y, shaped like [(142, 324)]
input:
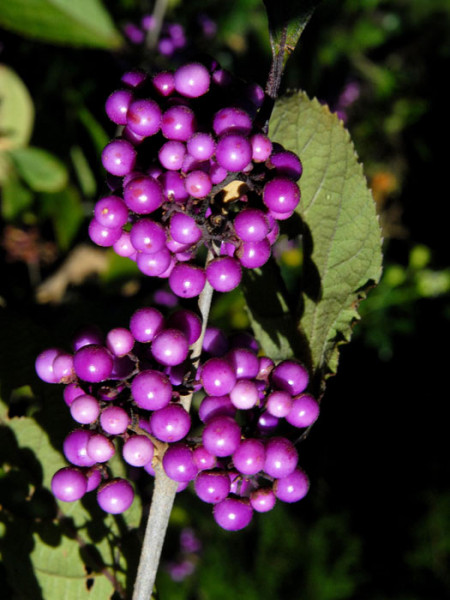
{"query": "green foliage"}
[(340, 239), (16, 111), (68, 22), (74, 547), (39, 169)]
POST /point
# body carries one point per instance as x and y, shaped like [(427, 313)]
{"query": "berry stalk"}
[(165, 489)]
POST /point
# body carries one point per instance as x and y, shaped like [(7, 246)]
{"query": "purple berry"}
[(233, 152), (69, 484), (281, 457), (224, 273), (93, 363), (290, 376), (144, 117), (115, 496), (218, 378), (304, 411), (249, 457), (85, 409), (221, 436), (171, 423), (119, 157), (212, 486), (281, 195), (143, 195), (187, 281), (178, 463), (170, 347), (151, 390), (114, 420), (293, 487), (138, 450), (262, 499), (146, 323), (117, 106), (192, 80), (233, 514)]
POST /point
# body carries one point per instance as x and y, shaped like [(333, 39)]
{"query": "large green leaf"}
[(16, 110), (42, 171), (340, 231), (76, 555), (68, 22)]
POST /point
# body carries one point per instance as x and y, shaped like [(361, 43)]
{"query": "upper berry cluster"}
[(192, 167)]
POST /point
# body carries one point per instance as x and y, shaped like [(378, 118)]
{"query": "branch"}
[(165, 488)]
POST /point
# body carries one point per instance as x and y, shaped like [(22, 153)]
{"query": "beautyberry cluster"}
[(125, 392), (193, 168)]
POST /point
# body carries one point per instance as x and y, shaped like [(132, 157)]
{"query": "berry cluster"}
[(217, 181), (125, 393)]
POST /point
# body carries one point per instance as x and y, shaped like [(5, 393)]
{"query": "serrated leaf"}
[(68, 22), (16, 110), (42, 171), (341, 237)]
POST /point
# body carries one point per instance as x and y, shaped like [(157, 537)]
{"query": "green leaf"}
[(341, 233), (68, 22), (16, 197), (287, 20), (16, 110), (80, 549), (272, 320), (42, 171), (66, 211)]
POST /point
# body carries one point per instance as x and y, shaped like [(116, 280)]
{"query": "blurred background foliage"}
[(376, 523)]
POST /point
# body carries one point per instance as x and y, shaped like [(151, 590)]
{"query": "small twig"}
[(159, 12)]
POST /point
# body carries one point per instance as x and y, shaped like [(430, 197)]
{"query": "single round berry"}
[(114, 420), (224, 273), (93, 363), (217, 376), (119, 157), (117, 104), (151, 390), (144, 117), (75, 448), (171, 423), (187, 280), (170, 347), (304, 411), (69, 484), (221, 436), (251, 225), (100, 448), (138, 450), (281, 195), (115, 496), (233, 152), (262, 499), (178, 463), (143, 195), (281, 457), (212, 486), (119, 341), (245, 394), (85, 409), (233, 514), (192, 80), (111, 212), (249, 457), (290, 376), (293, 487), (145, 323)]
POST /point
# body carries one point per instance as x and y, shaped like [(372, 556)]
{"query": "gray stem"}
[(165, 488)]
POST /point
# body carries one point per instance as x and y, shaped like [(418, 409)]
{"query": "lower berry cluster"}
[(126, 391)]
